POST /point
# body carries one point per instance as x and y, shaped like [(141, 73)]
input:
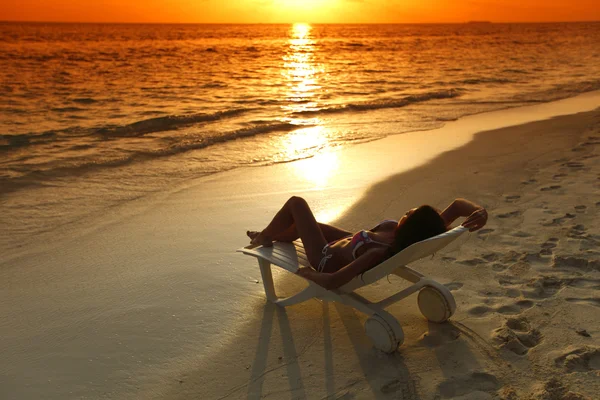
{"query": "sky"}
[(289, 11)]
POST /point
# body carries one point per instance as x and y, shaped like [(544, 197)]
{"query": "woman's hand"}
[(476, 220), (319, 278)]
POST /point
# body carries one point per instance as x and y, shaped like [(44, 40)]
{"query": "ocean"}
[(94, 116)]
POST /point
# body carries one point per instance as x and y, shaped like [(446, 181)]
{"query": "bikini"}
[(358, 240)]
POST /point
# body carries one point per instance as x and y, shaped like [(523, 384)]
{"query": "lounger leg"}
[(267, 277), (306, 294)]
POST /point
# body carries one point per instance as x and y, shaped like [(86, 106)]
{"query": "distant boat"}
[(479, 22)]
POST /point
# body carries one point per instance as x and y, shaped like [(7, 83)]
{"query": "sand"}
[(151, 302)]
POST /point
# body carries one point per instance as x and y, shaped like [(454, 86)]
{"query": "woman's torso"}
[(346, 250)]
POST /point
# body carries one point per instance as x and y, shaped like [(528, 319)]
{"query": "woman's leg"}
[(296, 213), (330, 232)]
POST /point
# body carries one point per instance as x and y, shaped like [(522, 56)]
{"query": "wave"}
[(169, 122), (158, 124), (561, 91), (378, 105), (89, 164), (67, 109), (84, 100), (8, 142), (477, 81)]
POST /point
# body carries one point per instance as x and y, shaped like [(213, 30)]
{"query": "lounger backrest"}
[(412, 253)]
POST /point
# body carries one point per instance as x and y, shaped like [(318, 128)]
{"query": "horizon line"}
[(474, 22)]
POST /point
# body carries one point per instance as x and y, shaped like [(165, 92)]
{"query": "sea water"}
[(97, 115)]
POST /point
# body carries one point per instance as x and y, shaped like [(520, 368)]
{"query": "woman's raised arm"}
[(477, 215)]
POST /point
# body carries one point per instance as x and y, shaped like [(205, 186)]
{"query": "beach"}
[(150, 300)]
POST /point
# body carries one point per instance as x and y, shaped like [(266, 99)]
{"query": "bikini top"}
[(361, 238)]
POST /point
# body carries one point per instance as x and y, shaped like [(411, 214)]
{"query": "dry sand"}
[(152, 303), (527, 288)]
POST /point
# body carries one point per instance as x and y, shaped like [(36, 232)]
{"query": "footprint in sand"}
[(528, 182), (499, 267), (581, 359), (576, 231), (557, 176), (462, 385), (486, 231), (516, 308), (548, 188), (480, 311), (440, 335), (472, 261), (510, 309), (454, 285), (509, 280), (517, 336), (544, 287), (493, 256), (511, 214), (555, 390), (594, 301), (585, 283), (512, 198), (520, 234), (503, 293), (580, 208), (574, 165), (590, 142), (578, 263), (547, 247), (403, 389), (548, 286), (559, 220)]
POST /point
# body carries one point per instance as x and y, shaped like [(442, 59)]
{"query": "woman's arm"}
[(477, 215), (344, 275)]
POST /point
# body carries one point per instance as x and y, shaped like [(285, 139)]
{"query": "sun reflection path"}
[(301, 72), (319, 170)]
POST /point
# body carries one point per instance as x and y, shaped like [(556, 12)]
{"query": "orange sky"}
[(285, 11)]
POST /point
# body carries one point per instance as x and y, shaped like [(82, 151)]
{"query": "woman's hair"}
[(423, 223)]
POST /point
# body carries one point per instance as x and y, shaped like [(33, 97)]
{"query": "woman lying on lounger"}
[(338, 255)]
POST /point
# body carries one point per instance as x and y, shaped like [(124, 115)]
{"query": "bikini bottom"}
[(324, 259)]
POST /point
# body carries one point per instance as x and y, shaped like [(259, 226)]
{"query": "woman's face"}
[(408, 214)]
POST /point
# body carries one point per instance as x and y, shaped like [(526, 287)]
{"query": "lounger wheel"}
[(386, 336), (436, 304)]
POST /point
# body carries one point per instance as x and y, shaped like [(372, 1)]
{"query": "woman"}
[(338, 255)]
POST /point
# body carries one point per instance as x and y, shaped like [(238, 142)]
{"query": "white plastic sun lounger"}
[(435, 300)]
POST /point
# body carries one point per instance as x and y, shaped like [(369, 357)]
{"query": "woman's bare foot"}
[(257, 238)]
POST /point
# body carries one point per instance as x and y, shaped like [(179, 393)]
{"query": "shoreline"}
[(157, 302), (452, 135)]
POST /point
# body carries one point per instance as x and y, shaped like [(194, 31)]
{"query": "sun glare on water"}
[(301, 73)]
